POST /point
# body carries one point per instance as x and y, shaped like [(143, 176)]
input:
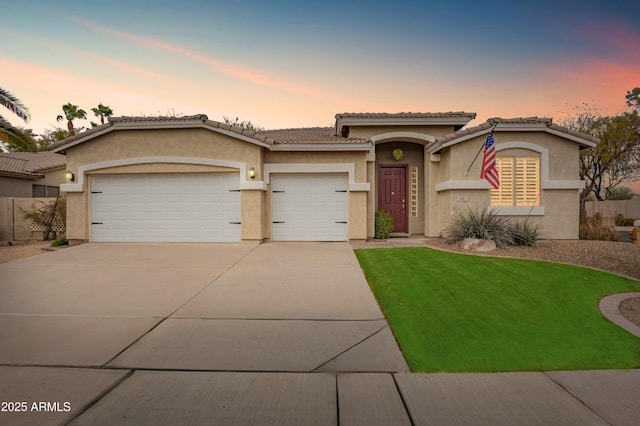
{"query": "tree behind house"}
[(247, 125), (71, 112), (102, 111), (616, 159), (12, 136)]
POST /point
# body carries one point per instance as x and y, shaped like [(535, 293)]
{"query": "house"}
[(166, 179), (31, 174)]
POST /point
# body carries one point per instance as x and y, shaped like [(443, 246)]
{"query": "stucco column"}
[(357, 211), (252, 206), (371, 199), (77, 228)]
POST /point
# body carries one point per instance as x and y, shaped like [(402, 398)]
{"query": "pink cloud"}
[(604, 82), (616, 36), (43, 90), (239, 71)]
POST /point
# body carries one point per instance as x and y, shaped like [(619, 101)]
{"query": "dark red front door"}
[(392, 194)]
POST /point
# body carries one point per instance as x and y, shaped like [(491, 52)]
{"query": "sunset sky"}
[(298, 63)]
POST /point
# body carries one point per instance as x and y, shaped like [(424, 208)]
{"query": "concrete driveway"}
[(239, 307), (271, 334)]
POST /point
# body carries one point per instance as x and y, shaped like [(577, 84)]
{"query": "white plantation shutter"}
[(503, 196), (519, 182), (527, 181)]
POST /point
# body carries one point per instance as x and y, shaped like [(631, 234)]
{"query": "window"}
[(43, 191), (519, 182)]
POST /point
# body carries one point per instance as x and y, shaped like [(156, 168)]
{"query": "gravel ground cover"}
[(22, 249)]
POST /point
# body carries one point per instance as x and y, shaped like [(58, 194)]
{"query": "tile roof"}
[(319, 135), (497, 121), (128, 119), (310, 135), (124, 119), (30, 164), (406, 115)]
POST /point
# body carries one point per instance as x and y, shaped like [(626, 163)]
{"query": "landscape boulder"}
[(476, 244)]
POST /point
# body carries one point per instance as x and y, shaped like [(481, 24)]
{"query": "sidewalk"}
[(142, 397)]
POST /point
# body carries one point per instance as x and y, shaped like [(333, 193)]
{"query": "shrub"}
[(596, 228), (524, 233), (480, 223), (384, 225), (50, 217), (59, 242), (623, 221)]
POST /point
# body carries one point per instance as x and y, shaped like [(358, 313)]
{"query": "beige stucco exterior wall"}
[(561, 208), (127, 144), (369, 131), (414, 157), (199, 143), (77, 216), (435, 208), (372, 199), (563, 154), (357, 215), (13, 226), (202, 143), (53, 178), (358, 158), (16, 187), (358, 200), (162, 168), (251, 206), (23, 188)]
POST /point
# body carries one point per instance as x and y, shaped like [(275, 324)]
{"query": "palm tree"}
[(102, 111), (9, 133), (71, 112)]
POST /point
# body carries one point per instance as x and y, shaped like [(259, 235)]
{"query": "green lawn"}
[(455, 312)]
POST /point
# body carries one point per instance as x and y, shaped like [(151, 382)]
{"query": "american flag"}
[(489, 171)]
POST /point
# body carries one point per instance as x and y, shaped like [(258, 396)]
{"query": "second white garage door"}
[(311, 207), (165, 208)]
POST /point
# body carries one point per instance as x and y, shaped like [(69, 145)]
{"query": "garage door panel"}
[(309, 207), (165, 208)]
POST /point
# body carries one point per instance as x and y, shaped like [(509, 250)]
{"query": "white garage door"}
[(309, 207), (165, 208)]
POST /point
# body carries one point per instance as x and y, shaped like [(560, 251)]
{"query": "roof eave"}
[(50, 168), (514, 127), (395, 121), (19, 175), (321, 147), (160, 125), (64, 146)]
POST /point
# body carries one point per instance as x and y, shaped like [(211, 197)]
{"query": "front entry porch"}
[(392, 194)]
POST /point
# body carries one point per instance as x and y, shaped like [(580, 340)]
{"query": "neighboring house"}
[(31, 174), (192, 179)]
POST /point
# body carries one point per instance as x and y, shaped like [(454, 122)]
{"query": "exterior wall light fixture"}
[(252, 173), (70, 176)]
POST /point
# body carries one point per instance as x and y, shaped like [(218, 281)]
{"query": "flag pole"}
[(480, 150)]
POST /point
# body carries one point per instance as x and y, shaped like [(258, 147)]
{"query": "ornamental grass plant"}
[(484, 223)]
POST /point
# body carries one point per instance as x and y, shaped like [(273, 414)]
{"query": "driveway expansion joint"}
[(350, 348), (574, 396)]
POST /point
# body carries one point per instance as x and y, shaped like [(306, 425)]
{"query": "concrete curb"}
[(610, 308)]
